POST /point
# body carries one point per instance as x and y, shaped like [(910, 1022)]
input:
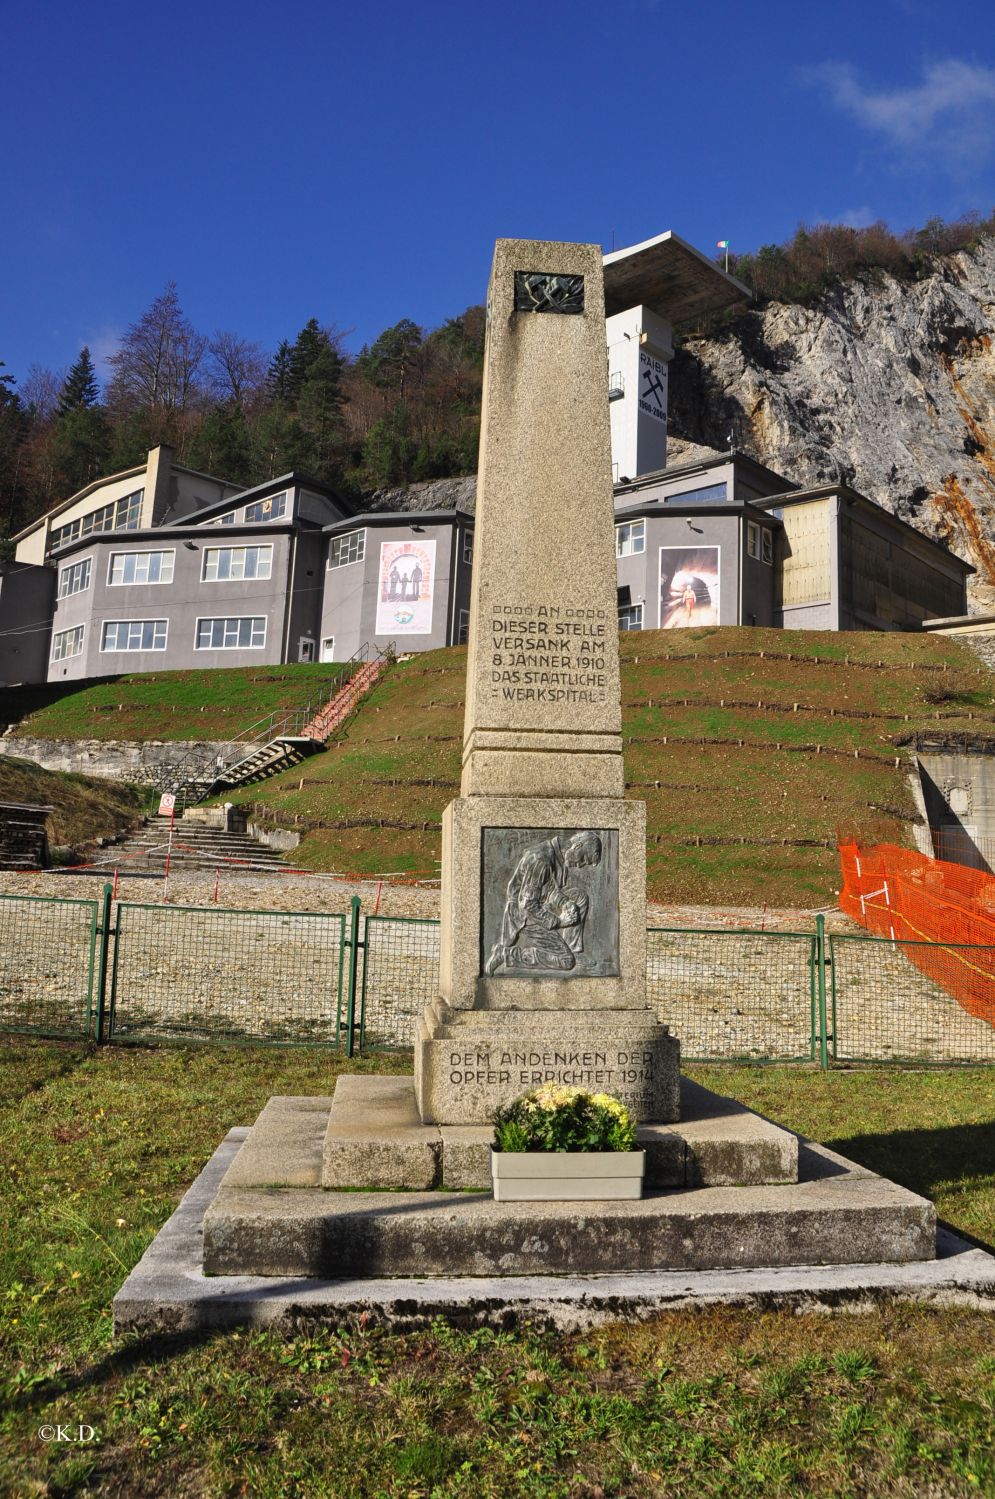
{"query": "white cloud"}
[(857, 218), (948, 113), (101, 343)]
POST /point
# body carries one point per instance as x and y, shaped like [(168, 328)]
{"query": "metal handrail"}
[(192, 771)]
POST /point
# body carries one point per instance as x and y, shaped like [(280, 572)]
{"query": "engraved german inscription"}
[(544, 653), (549, 902), (628, 1073)]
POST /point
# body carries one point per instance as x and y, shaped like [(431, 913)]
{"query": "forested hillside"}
[(405, 408)]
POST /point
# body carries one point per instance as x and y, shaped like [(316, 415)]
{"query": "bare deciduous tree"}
[(159, 358), (236, 368)]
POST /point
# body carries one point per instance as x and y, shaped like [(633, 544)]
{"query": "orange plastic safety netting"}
[(944, 912)]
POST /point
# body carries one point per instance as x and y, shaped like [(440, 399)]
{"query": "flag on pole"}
[(723, 244)]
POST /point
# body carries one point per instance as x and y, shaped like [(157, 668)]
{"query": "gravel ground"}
[(734, 982), (279, 892)]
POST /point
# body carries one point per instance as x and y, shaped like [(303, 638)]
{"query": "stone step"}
[(271, 1217)]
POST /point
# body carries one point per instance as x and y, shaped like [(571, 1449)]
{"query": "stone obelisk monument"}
[(543, 968)]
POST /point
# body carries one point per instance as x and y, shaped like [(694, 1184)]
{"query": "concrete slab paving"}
[(167, 1292)]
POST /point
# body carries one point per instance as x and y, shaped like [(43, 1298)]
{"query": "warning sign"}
[(167, 802)]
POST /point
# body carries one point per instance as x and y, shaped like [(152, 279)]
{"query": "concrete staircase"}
[(195, 846), (277, 743), (345, 702)]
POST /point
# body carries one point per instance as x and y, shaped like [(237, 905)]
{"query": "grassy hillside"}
[(212, 704), (85, 808), (750, 747)]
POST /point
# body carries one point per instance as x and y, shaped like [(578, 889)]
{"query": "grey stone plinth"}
[(462, 980), (168, 1292), (375, 1137), (470, 1062), (834, 1215), (370, 1135), (285, 1146), (727, 1145)]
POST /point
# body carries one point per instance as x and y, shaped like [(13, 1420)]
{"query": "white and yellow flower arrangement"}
[(565, 1144)]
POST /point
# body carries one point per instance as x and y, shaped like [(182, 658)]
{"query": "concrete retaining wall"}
[(116, 759)]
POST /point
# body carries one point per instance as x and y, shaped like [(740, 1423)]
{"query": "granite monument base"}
[(272, 1216), (470, 1062)]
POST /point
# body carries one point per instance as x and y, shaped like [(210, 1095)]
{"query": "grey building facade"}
[(396, 578), (754, 549), (211, 576), (232, 587)]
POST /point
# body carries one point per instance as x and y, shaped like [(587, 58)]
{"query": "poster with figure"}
[(407, 582), (689, 587)]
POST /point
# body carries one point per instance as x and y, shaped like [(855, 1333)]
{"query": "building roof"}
[(701, 465), (674, 509), (270, 486), (410, 518), (95, 484), (670, 277)]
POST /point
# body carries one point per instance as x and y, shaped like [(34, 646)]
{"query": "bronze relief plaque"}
[(549, 903)]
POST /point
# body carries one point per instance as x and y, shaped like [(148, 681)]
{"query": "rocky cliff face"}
[(888, 385)]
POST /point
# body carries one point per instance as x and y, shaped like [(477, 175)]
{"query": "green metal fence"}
[(400, 977), (737, 995), (127, 971), (887, 1002), (210, 973), (48, 961)]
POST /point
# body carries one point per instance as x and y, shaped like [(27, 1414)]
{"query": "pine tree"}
[(79, 389), (278, 376)]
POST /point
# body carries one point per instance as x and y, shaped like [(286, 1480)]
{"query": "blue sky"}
[(355, 162)]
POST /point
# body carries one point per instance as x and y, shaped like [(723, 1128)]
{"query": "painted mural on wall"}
[(407, 583), (689, 587)]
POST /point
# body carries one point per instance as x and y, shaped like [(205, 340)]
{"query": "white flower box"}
[(567, 1175)]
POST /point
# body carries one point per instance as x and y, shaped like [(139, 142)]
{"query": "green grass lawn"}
[(741, 742), (98, 1146), (217, 703)]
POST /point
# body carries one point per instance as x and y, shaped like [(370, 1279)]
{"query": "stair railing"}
[(195, 774)]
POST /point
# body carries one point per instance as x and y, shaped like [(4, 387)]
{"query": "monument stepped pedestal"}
[(731, 1190)]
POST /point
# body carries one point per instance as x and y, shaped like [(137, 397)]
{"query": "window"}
[(631, 617), (66, 643), (630, 538), (120, 515), (463, 628), (235, 633), (232, 564), (348, 548), (711, 494), (760, 542), (140, 567), (468, 547), (270, 509), (74, 579), (134, 635), (228, 519)]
